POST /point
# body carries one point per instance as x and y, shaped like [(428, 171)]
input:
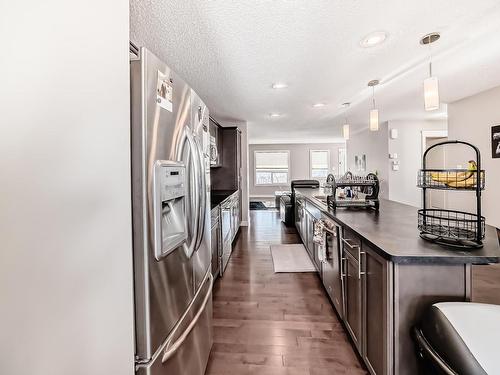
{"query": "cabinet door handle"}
[(333, 232), (342, 267), (360, 273), (350, 245)]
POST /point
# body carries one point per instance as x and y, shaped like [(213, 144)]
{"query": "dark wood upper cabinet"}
[(228, 175)]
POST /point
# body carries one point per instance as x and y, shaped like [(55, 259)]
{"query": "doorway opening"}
[(436, 159)]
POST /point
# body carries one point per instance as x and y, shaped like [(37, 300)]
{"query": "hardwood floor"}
[(267, 323), (486, 284)]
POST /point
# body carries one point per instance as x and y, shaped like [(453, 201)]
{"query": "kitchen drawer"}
[(351, 243)]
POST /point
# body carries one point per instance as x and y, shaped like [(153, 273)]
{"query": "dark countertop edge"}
[(410, 259), (220, 193)]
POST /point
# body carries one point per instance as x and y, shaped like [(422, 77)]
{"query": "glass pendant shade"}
[(374, 120), (345, 131), (431, 94)]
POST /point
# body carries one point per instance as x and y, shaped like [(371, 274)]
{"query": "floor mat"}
[(257, 206), (291, 258)]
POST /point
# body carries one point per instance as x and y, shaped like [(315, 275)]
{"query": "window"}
[(320, 164), (271, 167)]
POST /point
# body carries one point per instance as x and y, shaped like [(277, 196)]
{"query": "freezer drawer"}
[(191, 357)]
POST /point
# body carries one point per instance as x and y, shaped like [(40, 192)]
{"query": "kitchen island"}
[(385, 275)]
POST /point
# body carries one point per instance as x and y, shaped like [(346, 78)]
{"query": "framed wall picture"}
[(495, 141)]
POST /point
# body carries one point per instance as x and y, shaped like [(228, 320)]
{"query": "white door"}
[(342, 161), (436, 159)]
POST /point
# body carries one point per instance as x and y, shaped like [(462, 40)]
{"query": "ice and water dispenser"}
[(169, 207)]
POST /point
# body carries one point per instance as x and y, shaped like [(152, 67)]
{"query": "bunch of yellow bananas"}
[(458, 179)]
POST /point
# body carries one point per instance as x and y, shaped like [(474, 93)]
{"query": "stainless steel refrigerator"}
[(171, 221)]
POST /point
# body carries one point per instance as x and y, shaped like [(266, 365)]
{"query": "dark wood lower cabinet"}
[(368, 316), (353, 301), (377, 313)]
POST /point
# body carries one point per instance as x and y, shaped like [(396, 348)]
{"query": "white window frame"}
[(311, 167), (255, 167)]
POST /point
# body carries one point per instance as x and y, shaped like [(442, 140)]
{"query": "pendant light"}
[(431, 84), (374, 110), (345, 131), (345, 127)]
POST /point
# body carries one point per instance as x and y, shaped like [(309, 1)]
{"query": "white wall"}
[(408, 146), (374, 145), (299, 167), (400, 185), (242, 125), (471, 119), (65, 222)]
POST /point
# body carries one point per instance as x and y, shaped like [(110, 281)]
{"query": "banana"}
[(457, 179), (446, 177), (470, 182)]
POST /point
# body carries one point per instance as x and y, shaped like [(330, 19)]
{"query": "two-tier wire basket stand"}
[(458, 229)]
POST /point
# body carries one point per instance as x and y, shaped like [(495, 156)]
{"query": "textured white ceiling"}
[(232, 51)]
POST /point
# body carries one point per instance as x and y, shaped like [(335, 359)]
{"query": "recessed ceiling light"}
[(430, 38), (279, 85), (319, 105), (275, 115), (373, 39)]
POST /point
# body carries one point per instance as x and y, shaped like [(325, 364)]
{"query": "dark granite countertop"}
[(219, 196), (394, 234)]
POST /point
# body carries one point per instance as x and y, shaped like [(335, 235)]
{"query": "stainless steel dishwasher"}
[(226, 224), (331, 266)]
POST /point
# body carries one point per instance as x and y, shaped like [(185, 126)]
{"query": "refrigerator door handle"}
[(170, 350), (202, 195), (189, 249)]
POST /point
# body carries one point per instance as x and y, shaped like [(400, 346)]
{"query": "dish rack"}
[(364, 189), (453, 228)]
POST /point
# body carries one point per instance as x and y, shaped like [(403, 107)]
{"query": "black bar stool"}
[(459, 338)]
